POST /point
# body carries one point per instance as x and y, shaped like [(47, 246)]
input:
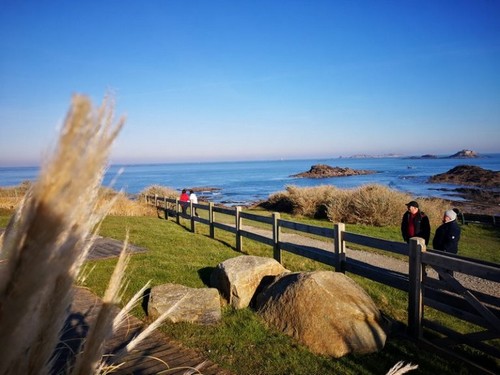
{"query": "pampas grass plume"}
[(46, 241)]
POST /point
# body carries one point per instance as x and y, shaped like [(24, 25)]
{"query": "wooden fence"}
[(466, 218), (446, 295)]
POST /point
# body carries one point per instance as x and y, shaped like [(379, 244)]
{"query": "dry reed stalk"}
[(400, 368), (45, 244)]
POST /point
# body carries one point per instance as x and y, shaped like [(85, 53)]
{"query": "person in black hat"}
[(415, 223)]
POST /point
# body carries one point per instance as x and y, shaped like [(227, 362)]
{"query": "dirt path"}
[(387, 262)]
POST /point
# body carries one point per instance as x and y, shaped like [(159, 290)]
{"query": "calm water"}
[(245, 182)]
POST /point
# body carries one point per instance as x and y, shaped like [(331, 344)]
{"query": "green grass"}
[(242, 342)]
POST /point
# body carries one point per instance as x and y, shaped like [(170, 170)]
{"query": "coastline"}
[(471, 207)]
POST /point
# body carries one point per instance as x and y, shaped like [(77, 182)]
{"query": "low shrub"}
[(373, 204), (161, 191), (305, 201)]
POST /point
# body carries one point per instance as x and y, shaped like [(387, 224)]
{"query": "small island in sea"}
[(326, 171), (367, 156)]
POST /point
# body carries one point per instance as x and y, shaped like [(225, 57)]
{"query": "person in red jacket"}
[(415, 223), (184, 199)]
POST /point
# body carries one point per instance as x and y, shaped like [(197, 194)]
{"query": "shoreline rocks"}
[(483, 192), (469, 175)]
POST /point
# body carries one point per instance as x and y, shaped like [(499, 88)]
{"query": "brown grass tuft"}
[(372, 204), (305, 201), (161, 191)]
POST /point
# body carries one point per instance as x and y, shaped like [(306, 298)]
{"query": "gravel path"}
[(387, 262)]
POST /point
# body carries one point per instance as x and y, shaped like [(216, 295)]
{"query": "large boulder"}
[(194, 305), (237, 279), (326, 311)]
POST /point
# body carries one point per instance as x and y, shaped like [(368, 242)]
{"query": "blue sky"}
[(254, 80)]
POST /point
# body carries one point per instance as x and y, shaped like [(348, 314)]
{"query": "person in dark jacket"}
[(447, 235), (415, 223)]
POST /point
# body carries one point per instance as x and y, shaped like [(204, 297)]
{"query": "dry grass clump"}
[(306, 201), (16, 191), (11, 196), (372, 204), (161, 191), (124, 205), (46, 242)]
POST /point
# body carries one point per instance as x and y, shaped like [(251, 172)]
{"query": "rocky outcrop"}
[(469, 175), (426, 156), (194, 305), (238, 279), (326, 171), (464, 154), (326, 311)]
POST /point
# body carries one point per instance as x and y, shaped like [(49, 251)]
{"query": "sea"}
[(247, 182)]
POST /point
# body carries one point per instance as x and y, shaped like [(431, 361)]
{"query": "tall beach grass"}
[(46, 242)]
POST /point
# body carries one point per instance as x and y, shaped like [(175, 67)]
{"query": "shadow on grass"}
[(205, 273), (145, 300)]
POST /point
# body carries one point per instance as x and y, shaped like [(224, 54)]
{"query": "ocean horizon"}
[(246, 182)]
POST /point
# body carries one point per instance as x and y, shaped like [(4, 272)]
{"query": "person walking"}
[(415, 223), (194, 200), (184, 199), (447, 235)]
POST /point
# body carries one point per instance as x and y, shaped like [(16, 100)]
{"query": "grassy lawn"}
[(242, 342)]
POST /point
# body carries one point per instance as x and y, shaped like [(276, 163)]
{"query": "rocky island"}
[(469, 175), (463, 154), (482, 196), (326, 171)]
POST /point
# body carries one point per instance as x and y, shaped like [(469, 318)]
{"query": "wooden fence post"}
[(339, 245), (415, 296), (166, 207), (211, 219), (239, 244), (177, 209), (191, 212), (276, 237), (156, 200)]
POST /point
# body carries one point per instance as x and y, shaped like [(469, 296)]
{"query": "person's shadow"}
[(72, 337)]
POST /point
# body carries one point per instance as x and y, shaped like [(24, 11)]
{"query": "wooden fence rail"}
[(466, 218), (446, 295)]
